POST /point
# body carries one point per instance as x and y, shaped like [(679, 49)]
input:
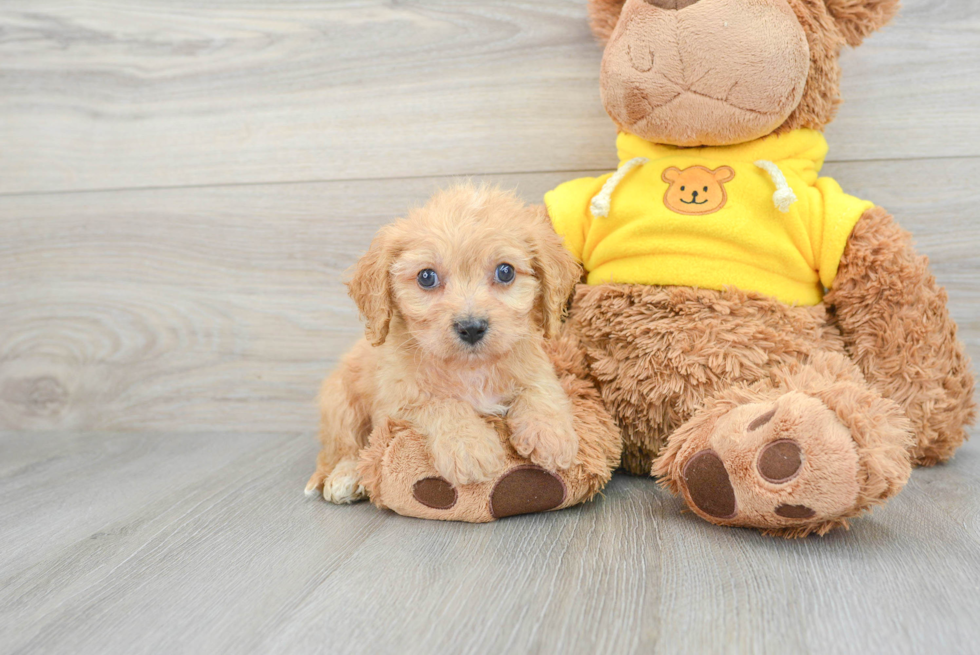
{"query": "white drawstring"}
[(602, 202), (784, 196)]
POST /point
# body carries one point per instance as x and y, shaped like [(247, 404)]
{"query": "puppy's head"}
[(466, 276)]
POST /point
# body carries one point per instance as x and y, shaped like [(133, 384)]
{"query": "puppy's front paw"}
[(551, 444), (343, 485), (473, 455)]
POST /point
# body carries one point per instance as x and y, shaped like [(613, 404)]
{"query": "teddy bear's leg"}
[(801, 453), (896, 326), (397, 470), (658, 353)]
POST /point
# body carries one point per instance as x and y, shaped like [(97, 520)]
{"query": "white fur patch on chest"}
[(478, 388)]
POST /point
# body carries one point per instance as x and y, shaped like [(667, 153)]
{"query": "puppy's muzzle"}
[(471, 330)]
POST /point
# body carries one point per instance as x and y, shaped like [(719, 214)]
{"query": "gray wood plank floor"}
[(185, 542), (183, 184)]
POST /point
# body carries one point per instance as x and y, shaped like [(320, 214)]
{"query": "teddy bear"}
[(773, 349)]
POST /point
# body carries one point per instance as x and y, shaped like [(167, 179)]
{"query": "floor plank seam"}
[(402, 178)]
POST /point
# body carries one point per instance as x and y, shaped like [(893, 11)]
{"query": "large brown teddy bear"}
[(772, 348)]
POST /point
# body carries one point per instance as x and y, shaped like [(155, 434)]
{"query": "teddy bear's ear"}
[(603, 15), (859, 18)]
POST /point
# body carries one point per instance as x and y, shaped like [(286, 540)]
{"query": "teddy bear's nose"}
[(676, 5)]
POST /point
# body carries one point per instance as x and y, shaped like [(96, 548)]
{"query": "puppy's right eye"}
[(427, 278)]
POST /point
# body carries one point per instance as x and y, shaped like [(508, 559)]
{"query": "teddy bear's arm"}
[(896, 325)]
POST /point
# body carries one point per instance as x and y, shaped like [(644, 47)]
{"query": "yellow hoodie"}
[(755, 216)]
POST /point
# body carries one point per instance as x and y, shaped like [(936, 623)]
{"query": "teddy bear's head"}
[(720, 72)]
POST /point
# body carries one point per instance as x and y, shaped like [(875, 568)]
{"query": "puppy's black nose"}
[(471, 330)]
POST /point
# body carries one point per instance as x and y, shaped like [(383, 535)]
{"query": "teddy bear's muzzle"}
[(665, 80)]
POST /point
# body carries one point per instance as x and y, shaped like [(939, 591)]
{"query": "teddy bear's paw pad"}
[(780, 461), (709, 486), (436, 493), (526, 490), (795, 512), (760, 421)]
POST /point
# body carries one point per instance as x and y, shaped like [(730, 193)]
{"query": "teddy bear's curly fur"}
[(790, 419)]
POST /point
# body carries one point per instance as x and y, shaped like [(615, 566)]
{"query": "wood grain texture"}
[(223, 308), (207, 545), (123, 94)]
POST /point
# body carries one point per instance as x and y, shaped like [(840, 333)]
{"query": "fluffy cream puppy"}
[(458, 299)]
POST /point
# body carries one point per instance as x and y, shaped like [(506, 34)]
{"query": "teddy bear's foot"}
[(799, 458), (772, 465), (398, 473), (523, 489)]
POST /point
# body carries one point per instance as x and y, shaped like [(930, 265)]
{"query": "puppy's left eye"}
[(504, 274)]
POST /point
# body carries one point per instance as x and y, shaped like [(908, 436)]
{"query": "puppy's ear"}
[(556, 270), (603, 16), (370, 287), (857, 19)]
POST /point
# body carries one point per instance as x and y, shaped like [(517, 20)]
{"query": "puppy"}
[(458, 299)]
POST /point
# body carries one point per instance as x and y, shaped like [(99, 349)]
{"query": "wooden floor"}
[(182, 185)]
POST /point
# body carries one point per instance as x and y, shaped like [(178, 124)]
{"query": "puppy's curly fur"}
[(415, 366)]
